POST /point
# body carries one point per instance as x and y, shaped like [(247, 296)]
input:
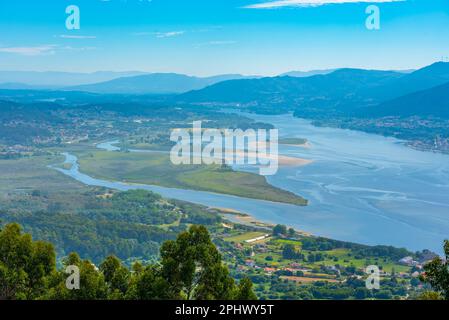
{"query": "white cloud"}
[(310, 3), (78, 49), (30, 51), (42, 50), (71, 36), (169, 34)]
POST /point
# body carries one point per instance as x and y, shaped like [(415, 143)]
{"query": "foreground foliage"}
[(437, 275), (191, 268)]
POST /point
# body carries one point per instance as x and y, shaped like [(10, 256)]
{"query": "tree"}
[(115, 275), (289, 252), (361, 293), (414, 282), (430, 295), (24, 264), (279, 230), (190, 268), (245, 290), (92, 282), (437, 273), (291, 232), (148, 284), (193, 269)]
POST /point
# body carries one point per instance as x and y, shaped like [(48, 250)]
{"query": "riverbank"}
[(247, 219)]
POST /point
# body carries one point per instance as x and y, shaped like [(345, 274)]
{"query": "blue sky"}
[(206, 37)]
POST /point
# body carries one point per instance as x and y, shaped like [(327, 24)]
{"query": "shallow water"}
[(366, 188)]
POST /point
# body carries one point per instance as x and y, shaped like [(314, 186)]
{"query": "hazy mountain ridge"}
[(431, 102), (430, 76), (57, 79), (156, 83), (303, 74), (342, 84), (343, 90)]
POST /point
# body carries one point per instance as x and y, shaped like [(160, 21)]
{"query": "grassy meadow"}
[(156, 169)]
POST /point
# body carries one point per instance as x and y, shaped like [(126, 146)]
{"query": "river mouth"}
[(362, 188)]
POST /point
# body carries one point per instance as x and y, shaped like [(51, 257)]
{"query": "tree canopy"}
[(24, 264), (437, 274), (191, 267)]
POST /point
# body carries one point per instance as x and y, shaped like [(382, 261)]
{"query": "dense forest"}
[(190, 268), (98, 223)]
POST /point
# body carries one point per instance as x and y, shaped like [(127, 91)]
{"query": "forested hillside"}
[(190, 268)]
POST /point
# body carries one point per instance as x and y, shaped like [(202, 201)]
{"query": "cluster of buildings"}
[(409, 261)]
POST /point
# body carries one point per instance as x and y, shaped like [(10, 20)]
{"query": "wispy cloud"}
[(310, 3), (175, 33), (78, 49), (168, 34), (43, 50), (70, 36), (30, 51)]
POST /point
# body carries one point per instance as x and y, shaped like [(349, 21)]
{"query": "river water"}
[(363, 188)]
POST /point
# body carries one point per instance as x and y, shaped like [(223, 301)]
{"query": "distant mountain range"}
[(156, 83), (425, 78), (344, 90), (20, 86), (341, 84), (55, 79), (351, 92), (431, 102), (303, 74)]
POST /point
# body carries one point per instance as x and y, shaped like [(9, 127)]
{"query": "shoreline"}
[(248, 219)]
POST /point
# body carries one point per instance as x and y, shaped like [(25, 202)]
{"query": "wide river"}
[(363, 188)]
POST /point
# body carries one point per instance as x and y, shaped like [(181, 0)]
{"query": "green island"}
[(156, 169)]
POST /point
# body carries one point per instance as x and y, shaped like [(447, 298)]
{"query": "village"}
[(291, 259)]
